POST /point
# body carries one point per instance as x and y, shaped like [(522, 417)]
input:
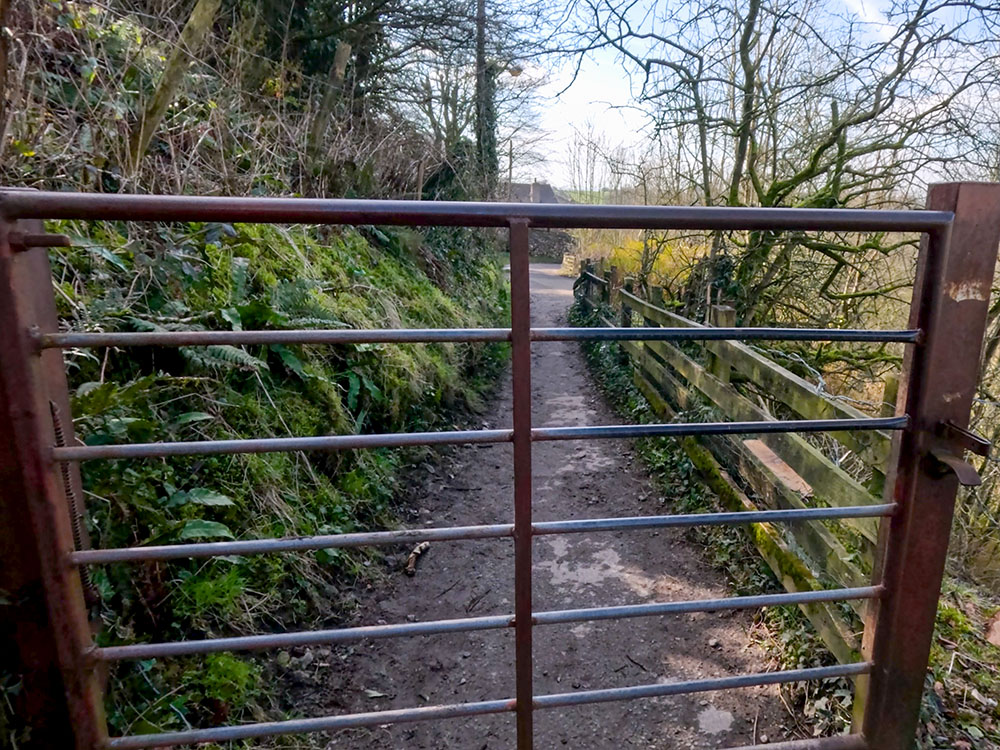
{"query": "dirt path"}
[(572, 480)]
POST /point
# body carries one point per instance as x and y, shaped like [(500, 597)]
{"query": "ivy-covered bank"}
[(221, 277)]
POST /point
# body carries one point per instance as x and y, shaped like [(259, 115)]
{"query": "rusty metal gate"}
[(44, 549)]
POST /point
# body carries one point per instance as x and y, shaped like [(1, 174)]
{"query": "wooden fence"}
[(773, 471)]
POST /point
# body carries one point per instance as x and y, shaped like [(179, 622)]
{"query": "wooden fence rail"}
[(773, 471)]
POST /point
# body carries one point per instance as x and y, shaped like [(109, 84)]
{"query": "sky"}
[(601, 99)]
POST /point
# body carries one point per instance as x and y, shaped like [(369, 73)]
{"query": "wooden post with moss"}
[(614, 286), (655, 299), (626, 312), (720, 316), (191, 39), (890, 390)]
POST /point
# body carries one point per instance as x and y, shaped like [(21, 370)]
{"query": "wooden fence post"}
[(614, 286), (876, 484), (656, 296), (600, 273), (626, 316), (720, 316), (890, 393)]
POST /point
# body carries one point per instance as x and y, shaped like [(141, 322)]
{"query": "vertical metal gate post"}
[(47, 613), (520, 336), (950, 299)]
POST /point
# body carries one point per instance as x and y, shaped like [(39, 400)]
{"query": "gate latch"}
[(951, 443)]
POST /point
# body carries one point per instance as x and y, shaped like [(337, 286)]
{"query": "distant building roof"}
[(535, 192)]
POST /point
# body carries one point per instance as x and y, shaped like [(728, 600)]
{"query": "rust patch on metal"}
[(960, 291)]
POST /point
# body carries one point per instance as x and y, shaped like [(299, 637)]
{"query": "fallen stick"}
[(411, 561)]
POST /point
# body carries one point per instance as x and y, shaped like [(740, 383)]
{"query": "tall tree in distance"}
[(486, 125)]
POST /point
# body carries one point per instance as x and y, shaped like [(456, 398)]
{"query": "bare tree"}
[(788, 103)]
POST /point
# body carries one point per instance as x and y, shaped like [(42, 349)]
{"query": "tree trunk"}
[(4, 50), (486, 137), (191, 39), (321, 121), (748, 90)]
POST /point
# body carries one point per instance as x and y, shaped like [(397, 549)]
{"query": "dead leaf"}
[(988, 702)]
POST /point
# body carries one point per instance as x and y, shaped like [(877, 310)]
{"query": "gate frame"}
[(62, 696), (951, 296)]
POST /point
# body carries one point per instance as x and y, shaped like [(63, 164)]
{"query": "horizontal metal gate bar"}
[(655, 609), (455, 437), (70, 340), (330, 723), (319, 724), (123, 207), (639, 333), (714, 519), (298, 638), (281, 445), (290, 544), (684, 429), (585, 697), (495, 531), (249, 338), (467, 624)]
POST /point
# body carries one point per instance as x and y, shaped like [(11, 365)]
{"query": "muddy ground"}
[(473, 485)]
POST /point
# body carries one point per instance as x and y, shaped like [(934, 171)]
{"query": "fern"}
[(238, 279), (223, 357), (216, 357), (330, 322)]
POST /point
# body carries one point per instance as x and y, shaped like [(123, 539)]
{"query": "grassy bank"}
[(246, 114)]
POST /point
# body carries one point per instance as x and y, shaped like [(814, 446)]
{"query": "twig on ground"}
[(411, 561)]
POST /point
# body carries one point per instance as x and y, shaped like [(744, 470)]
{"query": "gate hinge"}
[(950, 444), (20, 241)]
